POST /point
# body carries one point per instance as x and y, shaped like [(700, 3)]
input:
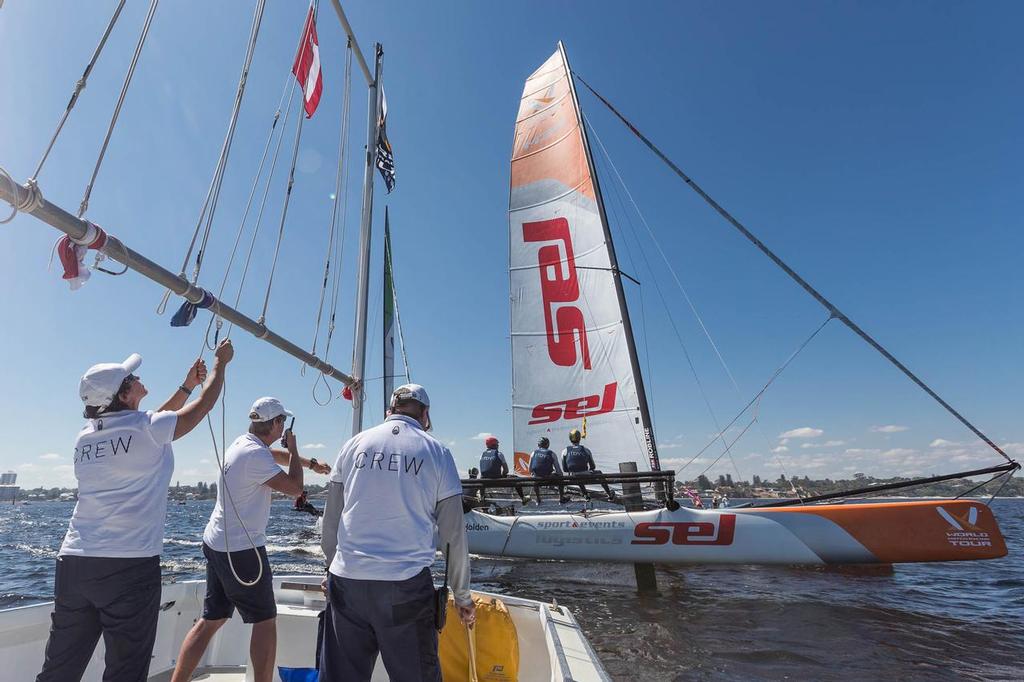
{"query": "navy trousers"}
[(116, 598), (396, 619)]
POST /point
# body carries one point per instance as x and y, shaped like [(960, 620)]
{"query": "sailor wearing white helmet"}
[(108, 569), (392, 487), (238, 573)]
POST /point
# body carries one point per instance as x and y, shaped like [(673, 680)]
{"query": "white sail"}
[(571, 356)]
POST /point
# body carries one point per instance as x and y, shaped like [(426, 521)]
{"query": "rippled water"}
[(920, 621)]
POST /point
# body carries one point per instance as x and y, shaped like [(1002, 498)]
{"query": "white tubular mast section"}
[(355, 43), (76, 228), (363, 283)]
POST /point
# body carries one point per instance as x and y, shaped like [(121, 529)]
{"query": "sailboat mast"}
[(365, 233), (645, 411)]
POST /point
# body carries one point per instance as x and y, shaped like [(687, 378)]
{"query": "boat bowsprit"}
[(872, 533)]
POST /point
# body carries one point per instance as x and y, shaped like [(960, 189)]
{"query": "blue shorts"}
[(224, 593)]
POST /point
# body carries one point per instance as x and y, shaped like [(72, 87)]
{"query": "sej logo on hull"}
[(686, 533)]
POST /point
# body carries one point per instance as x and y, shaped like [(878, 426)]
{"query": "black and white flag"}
[(385, 155)]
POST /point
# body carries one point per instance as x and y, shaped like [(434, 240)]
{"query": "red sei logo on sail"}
[(686, 533), (558, 287), (563, 320)]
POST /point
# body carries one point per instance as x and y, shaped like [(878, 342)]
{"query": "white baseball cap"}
[(410, 392), (267, 408), (101, 382)]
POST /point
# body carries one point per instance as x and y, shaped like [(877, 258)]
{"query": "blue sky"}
[(874, 146)]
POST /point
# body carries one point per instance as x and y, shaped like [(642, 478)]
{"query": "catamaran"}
[(575, 364)]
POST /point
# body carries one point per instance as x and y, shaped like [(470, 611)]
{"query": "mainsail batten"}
[(573, 355)]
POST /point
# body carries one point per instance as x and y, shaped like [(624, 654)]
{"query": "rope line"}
[(263, 205), (209, 206), (828, 305), (79, 86), (84, 206), (672, 321), (757, 396), (284, 215), (338, 180), (686, 297)]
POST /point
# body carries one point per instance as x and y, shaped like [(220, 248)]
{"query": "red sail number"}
[(558, 285), (697, 533)]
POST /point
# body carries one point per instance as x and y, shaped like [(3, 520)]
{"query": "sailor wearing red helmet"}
[(492, 462)]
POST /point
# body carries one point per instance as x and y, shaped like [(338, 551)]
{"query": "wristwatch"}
[(312, 463), (186, 391)]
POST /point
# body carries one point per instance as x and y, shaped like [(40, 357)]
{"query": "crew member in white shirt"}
[(235, 539), (108, 568), (392, 487)]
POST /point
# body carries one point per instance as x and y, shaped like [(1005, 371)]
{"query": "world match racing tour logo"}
[(963, 530), (563, 320)]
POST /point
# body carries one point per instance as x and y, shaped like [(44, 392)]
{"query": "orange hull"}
[(895, 532)]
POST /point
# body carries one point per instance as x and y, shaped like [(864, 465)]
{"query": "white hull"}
[(551, 643), (949, 530)]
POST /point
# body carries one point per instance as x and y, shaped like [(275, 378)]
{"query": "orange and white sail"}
[(572, 353)]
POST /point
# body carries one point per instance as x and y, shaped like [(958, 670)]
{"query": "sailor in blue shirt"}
[(577, 459), (544, 464), (492, 462)]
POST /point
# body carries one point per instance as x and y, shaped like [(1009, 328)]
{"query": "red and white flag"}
[(307, 66)]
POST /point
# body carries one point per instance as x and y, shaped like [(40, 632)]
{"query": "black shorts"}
[(224, 593)]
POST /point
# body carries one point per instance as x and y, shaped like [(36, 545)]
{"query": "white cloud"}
[(1013, 448), (810, 445), (481, 436), (51, 456), (898, 452), (669, 446), (313, 446), (781, 448), (802, 432), (889, 428), (204, 461), (833, 443)]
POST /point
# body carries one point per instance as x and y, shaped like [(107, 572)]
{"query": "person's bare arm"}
[(281, 457), (196, 375), (193, 413), (289, 483)]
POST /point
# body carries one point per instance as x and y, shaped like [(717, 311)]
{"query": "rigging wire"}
[(284, 215), (84, 206), (209, 207), (757, 396), (339, 177), (79, 87), (814, 293), (339, 244), (682, 290), (263, 203), (672, 321)]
